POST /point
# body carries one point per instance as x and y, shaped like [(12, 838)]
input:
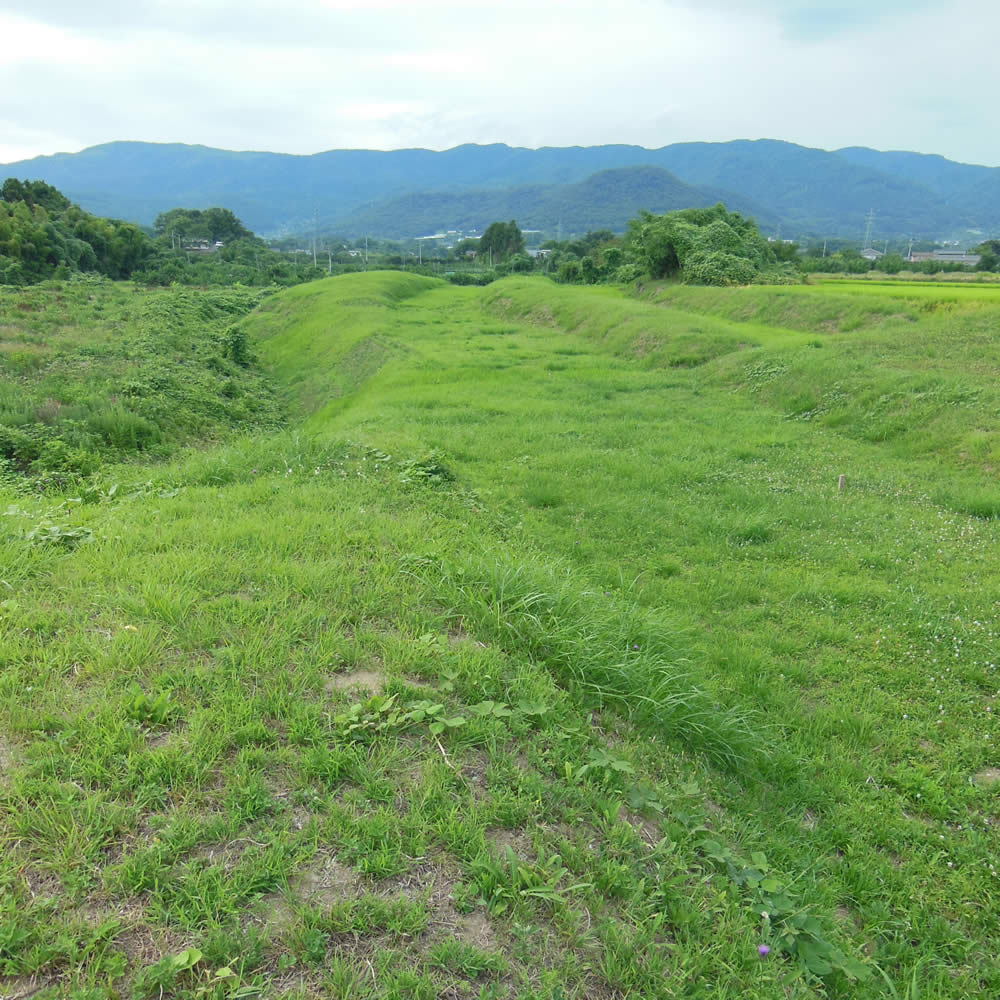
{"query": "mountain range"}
[(795, 190)]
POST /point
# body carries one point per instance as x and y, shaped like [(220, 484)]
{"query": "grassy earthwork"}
[(540, 653)]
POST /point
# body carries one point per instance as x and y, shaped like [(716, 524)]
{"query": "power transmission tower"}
[(869, 224)]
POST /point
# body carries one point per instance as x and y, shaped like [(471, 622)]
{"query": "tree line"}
[(44, 236)]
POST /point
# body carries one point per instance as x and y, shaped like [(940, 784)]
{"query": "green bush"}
[(718, 267)]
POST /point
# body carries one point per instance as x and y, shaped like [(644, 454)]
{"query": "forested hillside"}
[(603, 201), (404, 192)]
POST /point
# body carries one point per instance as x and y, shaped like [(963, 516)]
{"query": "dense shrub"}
[(701, 245), (718, 267)]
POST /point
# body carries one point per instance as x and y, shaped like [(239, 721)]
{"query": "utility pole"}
[(329, 261), (366, 253)]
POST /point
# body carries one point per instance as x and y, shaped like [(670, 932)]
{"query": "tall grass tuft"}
[(604, 649)]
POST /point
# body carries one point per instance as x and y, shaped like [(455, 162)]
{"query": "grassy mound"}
[(528, 665)]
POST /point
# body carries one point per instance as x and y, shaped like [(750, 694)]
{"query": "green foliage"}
[(501, 241), (42, 236), (717, 267), (111, 372), (61, 535), (702, 245), (153, 711), (33, 193), (430, 468), (785, 915), (211, 224), (509, 881)]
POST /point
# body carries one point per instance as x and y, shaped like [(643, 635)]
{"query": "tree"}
[(569, 272), (988, 261), (34, 193), (699, 244), (890, 263), (502, 239), (783, 251), (212, 224), (464, 247)]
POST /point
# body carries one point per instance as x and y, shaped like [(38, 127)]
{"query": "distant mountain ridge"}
[(604, 200), (807, 192)]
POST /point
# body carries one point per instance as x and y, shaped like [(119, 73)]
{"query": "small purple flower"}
[(635, 645), (763, 950)]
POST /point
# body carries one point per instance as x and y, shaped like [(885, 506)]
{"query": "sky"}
[(303, 76)]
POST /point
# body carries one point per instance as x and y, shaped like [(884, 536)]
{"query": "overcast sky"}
[(301, 76)]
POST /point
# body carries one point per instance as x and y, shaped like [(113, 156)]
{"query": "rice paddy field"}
[(527, 641)]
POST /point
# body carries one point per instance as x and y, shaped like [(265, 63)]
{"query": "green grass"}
[(91, 371), (532, 660)]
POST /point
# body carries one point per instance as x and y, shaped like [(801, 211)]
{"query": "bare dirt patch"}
[(41, 885), (157, 740), (433, 879), (325, 882), (475, 929), (6, 758), (988, 777), (22, 987), (367, 680), (473, 770)]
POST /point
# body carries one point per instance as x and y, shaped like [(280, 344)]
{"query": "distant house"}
[(870, 253), (945, 257), (203, 246)]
